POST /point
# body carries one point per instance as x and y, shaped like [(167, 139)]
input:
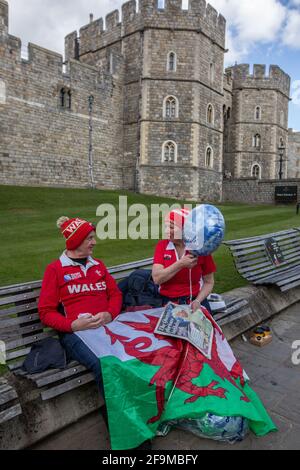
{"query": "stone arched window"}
[(281, 142), (257, 141), (65, 98), (210, 114), (212, 70), (169, 152), (209, 157), (172, 62), (256, 171), (282, 118), (171, 107), (258, 113)]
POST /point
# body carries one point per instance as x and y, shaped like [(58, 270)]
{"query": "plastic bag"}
[(229, 429)]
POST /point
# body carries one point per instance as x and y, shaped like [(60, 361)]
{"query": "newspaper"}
[(181, 322)]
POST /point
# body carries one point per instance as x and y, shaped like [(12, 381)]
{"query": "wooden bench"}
[(20, 328), (254, 262), (9, 404)]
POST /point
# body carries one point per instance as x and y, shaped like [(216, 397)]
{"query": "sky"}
[(258, 31)]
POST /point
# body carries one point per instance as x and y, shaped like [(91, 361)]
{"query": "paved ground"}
[(273, 376)]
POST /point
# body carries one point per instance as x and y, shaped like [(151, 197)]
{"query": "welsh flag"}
[(151, 379)]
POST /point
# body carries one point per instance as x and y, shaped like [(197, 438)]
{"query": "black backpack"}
[(44, 355), (139, 289)]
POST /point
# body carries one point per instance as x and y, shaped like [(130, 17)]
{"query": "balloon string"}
[(191, 290)]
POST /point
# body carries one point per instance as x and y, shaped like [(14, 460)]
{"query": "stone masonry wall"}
[(293, 154), (254, 191), (271, 93), (43, 143)]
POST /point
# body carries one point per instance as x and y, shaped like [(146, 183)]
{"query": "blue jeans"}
[(78, 351)]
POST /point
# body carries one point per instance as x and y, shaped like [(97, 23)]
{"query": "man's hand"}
[(104, 317), (92, 323)]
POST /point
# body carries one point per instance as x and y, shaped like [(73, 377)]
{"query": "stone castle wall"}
[(43, 143), (293, 154), (123, 65), (254, 191), (145, 37), (271, 93)]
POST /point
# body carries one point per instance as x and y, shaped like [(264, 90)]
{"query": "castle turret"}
[(170, 89), (259, 122)]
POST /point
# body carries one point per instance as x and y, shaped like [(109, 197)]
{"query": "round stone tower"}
[(173, 93), (258, 124)]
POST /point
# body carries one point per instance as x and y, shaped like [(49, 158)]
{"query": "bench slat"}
[(10, 413), (15, 365), (262, 237), (19, 298), (16, 354), (289, 255), (66, 387), (26, 308), (268, 265), (18, 288), (65, 374), (290, 286), (30, 340), (130, 266), (263, 274), (49, 372), (19, 320), (235, 316), (7, 396), (272, 269), (294, 277), (261, 245)]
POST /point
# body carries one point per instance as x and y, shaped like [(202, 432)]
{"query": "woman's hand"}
[(188, 261), (195, 305), (92, 323)]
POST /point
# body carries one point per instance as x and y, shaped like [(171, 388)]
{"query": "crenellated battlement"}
[(3, 17), (45, 61), (275, 78), (199, 16)]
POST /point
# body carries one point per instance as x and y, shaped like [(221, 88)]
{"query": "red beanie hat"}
[(178, 216), (75, 231)]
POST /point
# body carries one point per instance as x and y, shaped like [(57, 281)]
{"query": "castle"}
[(141, 104)]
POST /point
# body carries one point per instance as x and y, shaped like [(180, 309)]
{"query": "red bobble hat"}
[(178, 216), (75, 231)]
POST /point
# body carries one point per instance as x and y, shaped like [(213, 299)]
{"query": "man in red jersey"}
[(78, 293)]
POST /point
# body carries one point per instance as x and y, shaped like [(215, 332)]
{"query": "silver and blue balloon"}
[(204, 230)]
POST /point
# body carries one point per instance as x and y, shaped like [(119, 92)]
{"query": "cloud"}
[(47, 22), (291, 36), (296, 92), (250, 23)]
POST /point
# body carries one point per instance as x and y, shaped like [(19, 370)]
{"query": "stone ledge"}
[(41, 419), (265, 302)]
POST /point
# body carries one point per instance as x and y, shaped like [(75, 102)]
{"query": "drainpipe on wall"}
[(91, 163)]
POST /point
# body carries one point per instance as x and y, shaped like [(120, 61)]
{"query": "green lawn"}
[(30, 239)]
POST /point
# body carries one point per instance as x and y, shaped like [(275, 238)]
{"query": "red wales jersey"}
[(179, 285), (80, 289)]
